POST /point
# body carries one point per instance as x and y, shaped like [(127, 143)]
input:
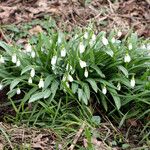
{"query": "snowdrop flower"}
[(104, 41), (63, 52), (28, 48), (64, 78), (32, 73), (70, 78), (86, 35), (18, 63), (30, 80), (82, 64), (1, 86), (132, 82), (69, 67), (81, 47), (41, 83), (33, 54), (130, 46), (59, 39), (113, 40), (18, 91), (14, 58), (119, 33), (86, 73), (119, 86), (67, 84), (104, 90), (2, 59), (148, 46), (143, 47), (93, 37), (54, 60), (127, 58)]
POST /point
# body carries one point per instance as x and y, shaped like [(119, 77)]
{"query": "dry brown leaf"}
[(1, 146), (35, 30)]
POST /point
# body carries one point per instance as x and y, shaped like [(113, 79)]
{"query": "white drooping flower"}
[(127, 58), (113, 40), (81, 47), (93, 37), (82, 64), (14, 58), (1, 86), (86, 73), (67, 84), (30, 80), (132, 82), (130, 46), (54, 60), (70, 78), (119, 86), (69, 67), (119, 33), (32, 73), (18, 63), (41, 83), (104, 90), (63, 52), (143, 46), (33, 54), (148, 46), (2, 61), (28, 48), (59, 40), (104, 41), (18, 91), (86, 35)]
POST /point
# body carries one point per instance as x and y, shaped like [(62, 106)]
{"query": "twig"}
[(4, 37), (78, 134)]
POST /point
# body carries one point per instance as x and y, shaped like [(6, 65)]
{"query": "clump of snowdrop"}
[(127, 58), (18, 91), (104, 90), (132, 82), (104, 41), (81, 47), (86, 73), (82, 64), (41, 83), (2, 61), (63, 52), (32, 73), (14, 58)]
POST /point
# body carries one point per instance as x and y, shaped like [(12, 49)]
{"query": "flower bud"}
[(81, 47), (104, 41), (63, 52), (132, 82), (54, 60), (30, 80), (14, 58), (127, 58), (41, 83), (86, 73), (2, 61), (104, 90), (18, 91), (18, 63), (32, 73), (82, 64)]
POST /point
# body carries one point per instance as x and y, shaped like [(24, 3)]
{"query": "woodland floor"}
[(123, 15)]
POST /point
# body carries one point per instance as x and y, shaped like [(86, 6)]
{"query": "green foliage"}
[(53, 71)]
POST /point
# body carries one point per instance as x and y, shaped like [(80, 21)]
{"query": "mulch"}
[(120, 15)]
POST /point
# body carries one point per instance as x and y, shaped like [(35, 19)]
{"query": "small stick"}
[(78, 134)]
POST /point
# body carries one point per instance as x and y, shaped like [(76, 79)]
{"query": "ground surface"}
[(122, 15)]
